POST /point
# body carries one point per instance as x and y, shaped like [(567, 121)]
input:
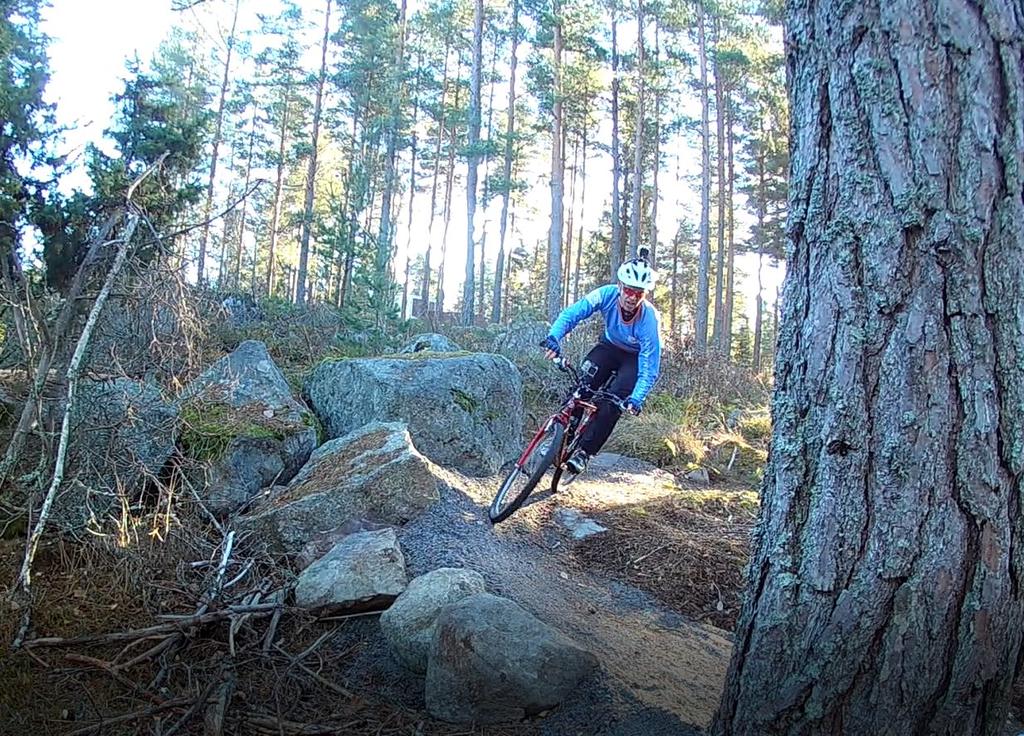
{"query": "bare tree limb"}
[(74, 370)]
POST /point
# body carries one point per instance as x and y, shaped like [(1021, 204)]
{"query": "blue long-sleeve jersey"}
[(640, 335)]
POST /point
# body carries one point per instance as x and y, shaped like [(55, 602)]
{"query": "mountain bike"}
[(553, 444)]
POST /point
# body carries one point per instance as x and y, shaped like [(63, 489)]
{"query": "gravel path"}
[(660, 674)]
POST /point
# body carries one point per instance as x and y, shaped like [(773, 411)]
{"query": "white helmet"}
[(636, 273)]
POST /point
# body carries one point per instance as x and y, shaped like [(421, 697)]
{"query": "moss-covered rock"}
[(244, 427)]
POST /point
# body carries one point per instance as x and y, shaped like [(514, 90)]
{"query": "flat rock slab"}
[(464, 411), (363, 572), (578, 525), (373, 475)]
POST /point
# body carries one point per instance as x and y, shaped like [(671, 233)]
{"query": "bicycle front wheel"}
[(525, 475)]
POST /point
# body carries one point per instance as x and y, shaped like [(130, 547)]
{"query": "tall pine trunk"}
[(449, 183), (616, 246), (481, 306), (496, 311), (638, 136), (762, 203), (730, 265), (222, 99), (245, 201), (554, 290), (412, 188), (307, 208), (717, 339), (385, 235), (583, 219), (886, 591), (425, 286), (704, 260), (469, 287), (653, 244), (275, 218)]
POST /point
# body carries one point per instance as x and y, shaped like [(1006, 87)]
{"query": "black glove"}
[(550, 343)]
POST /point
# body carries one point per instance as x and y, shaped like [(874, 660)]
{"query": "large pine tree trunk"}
[(507, 177), (704, 260), (554, 290), (307, 208), (886, 582)]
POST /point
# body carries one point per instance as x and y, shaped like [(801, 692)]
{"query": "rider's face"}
[(630, 297)]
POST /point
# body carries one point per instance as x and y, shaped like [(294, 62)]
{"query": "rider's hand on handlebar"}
[(633, 407), (551, 348)]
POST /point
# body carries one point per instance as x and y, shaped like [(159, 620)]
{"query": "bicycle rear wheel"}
[(525, 475)]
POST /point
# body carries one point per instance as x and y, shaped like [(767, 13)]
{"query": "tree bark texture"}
[(885, 587)]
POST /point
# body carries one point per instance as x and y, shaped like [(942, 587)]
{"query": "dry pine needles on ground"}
[(688, 551)]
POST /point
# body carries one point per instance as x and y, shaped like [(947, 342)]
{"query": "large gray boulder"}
[(491, 661), (463, 411), (362, 572), (429, 342), (122, 431), (522, 338), (243, 423), (408, 626), (373, 474)]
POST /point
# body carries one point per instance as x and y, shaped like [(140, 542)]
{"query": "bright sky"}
[(86, 71)]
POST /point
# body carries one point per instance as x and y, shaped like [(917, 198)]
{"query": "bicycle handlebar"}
[(566, 366)]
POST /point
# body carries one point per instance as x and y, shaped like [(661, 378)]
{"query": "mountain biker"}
[(630, 346)]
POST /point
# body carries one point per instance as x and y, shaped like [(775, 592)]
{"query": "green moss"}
[(311, 420), (464, 401), (209, 428)]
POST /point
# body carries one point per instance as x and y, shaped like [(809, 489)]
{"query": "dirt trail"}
[(657, 667)]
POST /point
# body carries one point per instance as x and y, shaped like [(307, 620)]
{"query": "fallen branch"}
[(137, 715), (112, 670), (169, 628), (74, 371), (333, 687)]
